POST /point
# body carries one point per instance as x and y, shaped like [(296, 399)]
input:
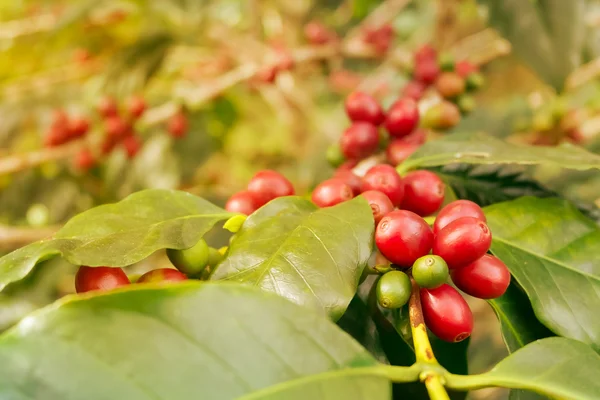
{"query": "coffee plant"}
[(364, 283)]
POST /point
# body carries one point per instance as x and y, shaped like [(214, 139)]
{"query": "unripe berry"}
[(78, 127), (444, 115), (446, 313), (99, 278), (242, 202), (430, 271), (399, 150), (136, 106), (474, 81), (485, 278), (402, 237), (402, 118), (462, 241), (162, 275), (178, 125), (450, 85), (446, 62), (360, 107), (465, 68), (192, 260), (317, 33), (385, 179), (107, 107), (455, 210), (360, 140), (267, 185), (424, 192), (214, 257), (132, 145), (466, 103), (84, 160), (414, 90), (350, 178), (426, 72), (334, 155), (393, 289), (331, 192), (379, 202)]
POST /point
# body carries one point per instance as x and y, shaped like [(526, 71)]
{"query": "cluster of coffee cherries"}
[(264, 186), (193, 263), (456, 247)]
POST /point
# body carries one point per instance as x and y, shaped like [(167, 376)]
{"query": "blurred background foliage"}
[(203, 54)]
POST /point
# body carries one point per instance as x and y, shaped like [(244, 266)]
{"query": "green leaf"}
[(183, 341), (551, 250), (556, 367), (479, 148), (311, 256), (122, 233)]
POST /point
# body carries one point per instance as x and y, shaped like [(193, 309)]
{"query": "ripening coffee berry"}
[(317, 33), (178, 125), (414, 90), (116, 127), (402, 118), (444, 115), (455, 210), (379, 202), (192, 260), (360, 107), (485, 278), (84, 160), (99, 278), (462, 241), (132, 145), (107, 107), (465, 68), (360, 140), (78, 127), (430, 271), (424, 192), (331, 192), (426, 71), (402, 237), (393, 289), (136, 106), (446, 313), (399, 150), (350, 178), (162, 275), (450, 85), (334, 155), (267, 185), (385, 179)]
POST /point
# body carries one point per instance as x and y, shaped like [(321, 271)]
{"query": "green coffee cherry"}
[(474, 81), (334, 155), (214, 256), (466, 103), (190, 261), (446, 62), (430, 271), (393, 289), (38, 215)]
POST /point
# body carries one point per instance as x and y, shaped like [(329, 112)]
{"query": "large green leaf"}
[(557, 367), (552, 251), (122, 233), (311, 256), (191, 340), (479, 148), (548, 35)]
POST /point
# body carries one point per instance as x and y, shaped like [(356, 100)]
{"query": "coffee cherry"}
[(393, 289), (446, 313), (284, 59), (430, 271), (466, 103), (56, 136), (178, 125), (385, 179), (192, 260), (331, 192), (99, 278), (317, 33), (455, 210), (214, 257), (399, 150), (446, 62), (136, 106), (107, 107), (379, 202), (78, 127), (462, 241), (414, 90), (266, 74), (84, 160), (108, 144), (426, 71), (424, 192), (444, 115), (418, 136), (402, 118), (242, 202), (360, 107), (450, 85), (465, 68), (334, 155), (132, 145), (402, 237), (350, 178), (267, 185), (360, 140), (485, 278), (162, 275), (474, 81), (347, 165), (116, 127), (425, 53)]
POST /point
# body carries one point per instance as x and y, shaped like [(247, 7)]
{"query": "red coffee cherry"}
[(426, 71), (107, 107), (399, 150), (462, 241), (465, 68), (108, 144), (419, 136), (360, 107), (446, 313), (116, 127), (162, 275), (99, 278), (380, 37), (347, 165), (403, 237), (414, 90), (379, 202), (455, 210), (385, 179), (56, 136), (485, 278), (267, 185), (402, 118), (317, 33), (360, 140), (331, 192), (136, 106), (424, 192), (178, 125), (350, 178), (425, 53), (132, 145), (84, 160), (78, 127), (242, 202)]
